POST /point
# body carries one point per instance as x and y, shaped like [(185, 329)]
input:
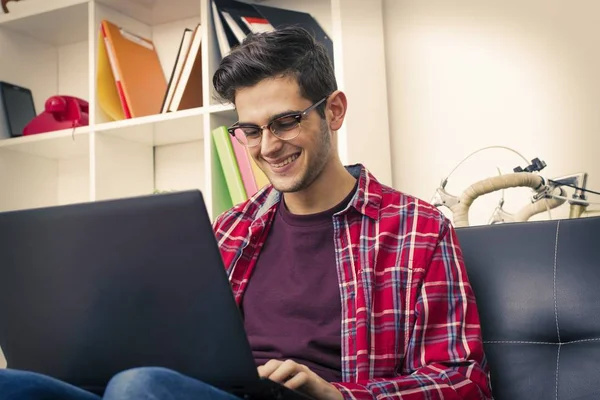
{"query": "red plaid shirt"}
[(410, 326)]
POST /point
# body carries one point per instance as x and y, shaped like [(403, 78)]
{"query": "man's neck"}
[(327, 191)]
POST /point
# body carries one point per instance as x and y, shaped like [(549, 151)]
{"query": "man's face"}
[(291, 165)]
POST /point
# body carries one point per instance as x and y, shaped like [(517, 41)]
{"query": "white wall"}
[(468, 73), (361, 73)]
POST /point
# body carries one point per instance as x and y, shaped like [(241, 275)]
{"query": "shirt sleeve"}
[(445, 357)]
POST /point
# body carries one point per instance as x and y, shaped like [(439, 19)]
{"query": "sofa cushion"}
[(537, 286)]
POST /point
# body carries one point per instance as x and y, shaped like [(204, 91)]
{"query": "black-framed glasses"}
[(285, 127)]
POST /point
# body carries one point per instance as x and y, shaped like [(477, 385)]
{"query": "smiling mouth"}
[(287, 161)]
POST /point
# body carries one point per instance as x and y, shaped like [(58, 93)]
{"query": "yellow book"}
[(108, 96), (259, 176)]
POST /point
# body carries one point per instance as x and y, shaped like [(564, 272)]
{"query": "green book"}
[(221, 200), (229, 166)]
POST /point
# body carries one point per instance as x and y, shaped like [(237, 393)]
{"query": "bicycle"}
[(548, 194)]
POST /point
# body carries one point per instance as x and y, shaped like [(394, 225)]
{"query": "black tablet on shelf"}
[(16, 109)]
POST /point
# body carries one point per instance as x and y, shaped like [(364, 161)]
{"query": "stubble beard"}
[(316, 164)]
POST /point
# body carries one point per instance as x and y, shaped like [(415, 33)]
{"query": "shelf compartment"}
[(163, 152), (44, 170), (56, 22), (163, 22), (46, 53)]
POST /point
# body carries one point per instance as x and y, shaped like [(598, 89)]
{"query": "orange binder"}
[(139, 79)]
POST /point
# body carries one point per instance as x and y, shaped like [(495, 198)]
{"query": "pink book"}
[(243, 161)]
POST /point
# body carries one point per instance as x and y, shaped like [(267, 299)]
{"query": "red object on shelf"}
[(61, 112), (4, 5)]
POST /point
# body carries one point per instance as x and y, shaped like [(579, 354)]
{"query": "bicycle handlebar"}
[(460, 210)]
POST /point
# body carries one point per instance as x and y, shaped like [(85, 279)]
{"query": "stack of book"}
[(185, 85), (130, 79), (237, 176)]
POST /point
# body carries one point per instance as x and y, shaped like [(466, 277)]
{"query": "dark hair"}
[(288, 51)]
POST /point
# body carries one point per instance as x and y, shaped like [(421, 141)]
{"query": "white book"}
[(181, 56), (220, 31), (235, 28), (192, 54)]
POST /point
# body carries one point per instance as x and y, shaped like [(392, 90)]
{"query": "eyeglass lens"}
[(284, 128)]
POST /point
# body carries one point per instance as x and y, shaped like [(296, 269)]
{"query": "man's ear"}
[(335, 111)]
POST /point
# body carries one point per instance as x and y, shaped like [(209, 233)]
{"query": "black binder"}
[(277, 17)]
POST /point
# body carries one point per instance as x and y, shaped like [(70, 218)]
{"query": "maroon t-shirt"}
[(292, 305)]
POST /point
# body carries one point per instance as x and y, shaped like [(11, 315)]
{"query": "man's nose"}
[(270, 144)]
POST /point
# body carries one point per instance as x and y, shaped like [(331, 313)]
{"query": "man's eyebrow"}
[(272, 117)]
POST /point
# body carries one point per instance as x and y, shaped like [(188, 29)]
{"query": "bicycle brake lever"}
[(500, 216), (443, 198)]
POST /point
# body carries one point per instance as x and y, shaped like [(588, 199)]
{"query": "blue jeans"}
[(139, 383)]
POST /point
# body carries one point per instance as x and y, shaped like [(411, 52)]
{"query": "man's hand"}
[(298, 376)]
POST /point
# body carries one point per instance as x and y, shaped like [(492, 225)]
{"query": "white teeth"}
[(286, 161)]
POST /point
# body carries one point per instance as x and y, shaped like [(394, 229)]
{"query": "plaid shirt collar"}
[(366, 200)]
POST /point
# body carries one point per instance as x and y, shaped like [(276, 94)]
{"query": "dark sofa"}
[(537, 286)]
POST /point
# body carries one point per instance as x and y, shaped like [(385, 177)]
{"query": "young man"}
[(349, 289), (361, 288)]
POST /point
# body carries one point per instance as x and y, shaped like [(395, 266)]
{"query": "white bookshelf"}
[(51, 48)]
